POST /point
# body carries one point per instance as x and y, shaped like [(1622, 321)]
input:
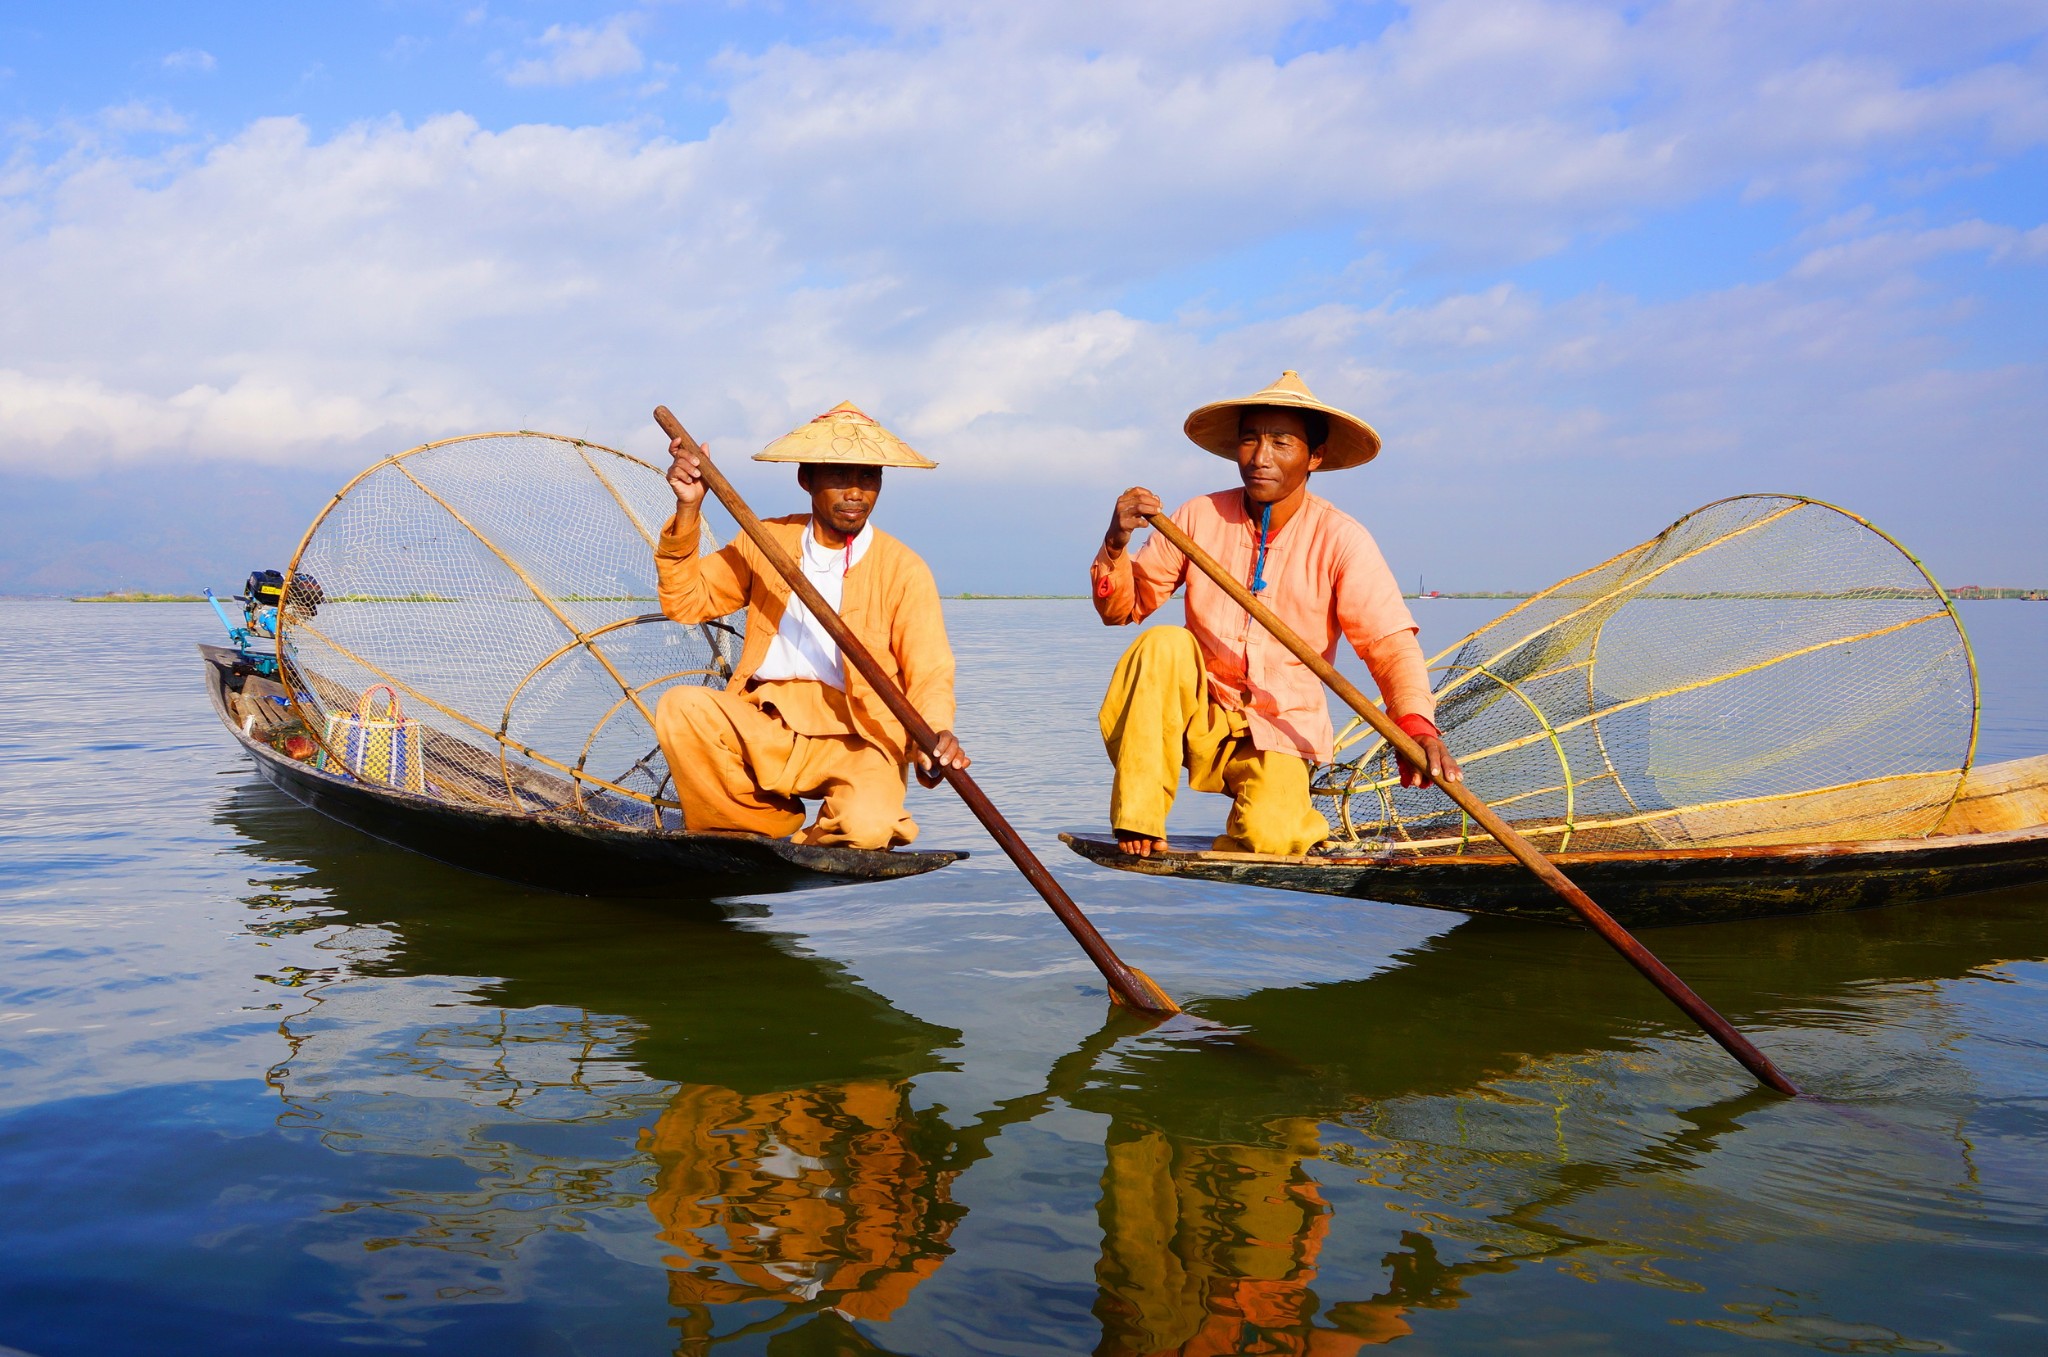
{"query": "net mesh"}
[(504, 586), (1768, 670)]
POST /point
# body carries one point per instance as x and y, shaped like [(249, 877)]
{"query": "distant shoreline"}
[(1965, 594)]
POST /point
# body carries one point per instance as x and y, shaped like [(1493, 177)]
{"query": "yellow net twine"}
[(1768, 670)]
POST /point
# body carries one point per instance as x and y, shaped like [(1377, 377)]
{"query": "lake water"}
[(268, 1086)]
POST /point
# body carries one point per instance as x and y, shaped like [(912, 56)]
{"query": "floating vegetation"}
[(138, 596)]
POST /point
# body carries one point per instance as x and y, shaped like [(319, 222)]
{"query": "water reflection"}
[(1503, 1091), (819, 1194), (1212, 1248), (586, 1064), (703, 1100)]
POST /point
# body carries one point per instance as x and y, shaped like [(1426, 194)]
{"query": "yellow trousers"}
[(738, 767), (1158, 719)]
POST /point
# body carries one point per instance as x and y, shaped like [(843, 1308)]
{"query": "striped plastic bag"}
[(376, 746)]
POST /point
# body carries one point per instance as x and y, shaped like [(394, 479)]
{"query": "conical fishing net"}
[(1768, 670), (502, 587)]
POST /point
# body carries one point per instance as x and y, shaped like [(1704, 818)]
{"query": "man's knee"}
[(687, 710), (688, 697), (1160, 661), (1169, 644), (867, 822), (1273, 807)]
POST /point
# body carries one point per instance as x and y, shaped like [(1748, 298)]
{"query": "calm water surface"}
[(268, 1086)]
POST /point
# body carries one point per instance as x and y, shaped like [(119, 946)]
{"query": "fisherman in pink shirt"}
[(1220, 697)]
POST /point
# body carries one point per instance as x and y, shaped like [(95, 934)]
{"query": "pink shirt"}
[(1326, 579)]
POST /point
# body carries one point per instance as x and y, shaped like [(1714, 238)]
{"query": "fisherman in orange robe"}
[(797, 721), (810, 1198), (1221, 697)]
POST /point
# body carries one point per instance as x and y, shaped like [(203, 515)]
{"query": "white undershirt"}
[(802, 649)]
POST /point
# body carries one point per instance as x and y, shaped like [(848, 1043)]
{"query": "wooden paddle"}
[(1524, 852), (1127, 984)]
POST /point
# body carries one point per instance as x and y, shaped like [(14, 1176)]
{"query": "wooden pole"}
[(1523, 851), (1127, 984)]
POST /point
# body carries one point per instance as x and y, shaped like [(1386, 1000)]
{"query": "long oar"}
[(1545, 871), (1127, 984)]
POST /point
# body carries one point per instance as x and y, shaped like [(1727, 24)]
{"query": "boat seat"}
[(263, 700)]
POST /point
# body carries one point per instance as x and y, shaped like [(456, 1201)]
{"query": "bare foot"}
[(1139, 845)]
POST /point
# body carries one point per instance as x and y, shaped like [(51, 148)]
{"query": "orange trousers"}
[(1158, 719), (737, 767)]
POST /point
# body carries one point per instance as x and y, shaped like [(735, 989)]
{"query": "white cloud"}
[(190, 61), (141, 116), (90, 424), (942, 226), (1493, 128), (576, 54), (1888, 254), (2031, 245)]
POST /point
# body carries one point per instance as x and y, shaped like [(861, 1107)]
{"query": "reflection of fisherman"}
[(797, 721), (817, 1197), (1212, 1249), (1221, 697)]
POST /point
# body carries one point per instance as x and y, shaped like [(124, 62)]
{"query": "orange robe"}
[(800, 1197), (745, 758)]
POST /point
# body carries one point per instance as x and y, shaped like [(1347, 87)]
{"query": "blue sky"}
[(1585, 265)]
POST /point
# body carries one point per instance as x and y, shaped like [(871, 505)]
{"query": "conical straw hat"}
[(1352, 441), (843, 435)]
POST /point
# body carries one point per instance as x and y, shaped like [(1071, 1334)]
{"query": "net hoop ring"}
[(1948, 605), (1355, 731), (1378, 752), (288, 669)]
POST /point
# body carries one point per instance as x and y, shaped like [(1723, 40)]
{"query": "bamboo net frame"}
[(1769, 669), (501, 584)]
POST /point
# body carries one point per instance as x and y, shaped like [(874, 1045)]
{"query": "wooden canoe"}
[(1996, 835), (555, 852)]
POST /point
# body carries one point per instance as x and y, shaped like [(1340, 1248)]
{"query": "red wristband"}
[(1417, 725)]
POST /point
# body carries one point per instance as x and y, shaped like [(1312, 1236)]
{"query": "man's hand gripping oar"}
[(1127, 984), (1523, 851)]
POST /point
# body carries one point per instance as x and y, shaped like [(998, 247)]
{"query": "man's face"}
[(842, 497), (1273, 455)]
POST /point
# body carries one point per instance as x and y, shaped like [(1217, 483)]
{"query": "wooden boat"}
[(555, 852), (1996, 835)]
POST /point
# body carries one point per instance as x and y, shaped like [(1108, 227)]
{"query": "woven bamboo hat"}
[(1352, 441), (843, 436)]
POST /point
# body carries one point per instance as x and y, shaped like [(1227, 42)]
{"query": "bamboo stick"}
[(1129, 985)]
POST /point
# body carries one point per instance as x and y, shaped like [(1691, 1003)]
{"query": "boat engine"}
[(262, 595)]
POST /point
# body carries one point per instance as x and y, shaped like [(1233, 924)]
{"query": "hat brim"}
[(813, 456), (844, 441), (1352, 441)]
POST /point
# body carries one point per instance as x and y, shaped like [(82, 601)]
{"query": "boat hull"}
[(561, 855), (1640, 889)]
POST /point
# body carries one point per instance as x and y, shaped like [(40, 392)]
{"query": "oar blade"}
[(1147, 996)]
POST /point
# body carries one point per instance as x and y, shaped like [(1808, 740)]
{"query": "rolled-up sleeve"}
[(697, 588), (1129, 587)]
